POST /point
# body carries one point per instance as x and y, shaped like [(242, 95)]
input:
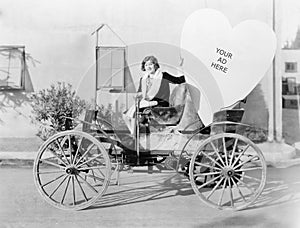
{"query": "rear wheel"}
[(228, 171), (72, 170)]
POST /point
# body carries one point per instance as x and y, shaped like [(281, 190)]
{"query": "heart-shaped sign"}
[(237, 57)]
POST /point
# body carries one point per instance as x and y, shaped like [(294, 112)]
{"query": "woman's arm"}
[(174, 79)]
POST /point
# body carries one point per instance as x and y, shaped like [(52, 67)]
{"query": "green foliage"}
[(51, 107), (111, 116)]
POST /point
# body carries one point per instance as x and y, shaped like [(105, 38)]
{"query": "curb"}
[(16, 163), (17, 159), (278, 155)]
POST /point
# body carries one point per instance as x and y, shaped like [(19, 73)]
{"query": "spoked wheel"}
[(228, 171), (72, 170)]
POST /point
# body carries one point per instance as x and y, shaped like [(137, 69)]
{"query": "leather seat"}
[(181, 112)]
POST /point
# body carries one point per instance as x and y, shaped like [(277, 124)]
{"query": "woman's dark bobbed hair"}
[(152, 59)]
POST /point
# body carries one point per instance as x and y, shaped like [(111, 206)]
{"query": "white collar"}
[(157, 77)]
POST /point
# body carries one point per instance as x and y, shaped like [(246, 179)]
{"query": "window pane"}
[(291, 67), (118, 59), (105, 58), (117, 77), (104, 77), (10, 68), (111, 67)]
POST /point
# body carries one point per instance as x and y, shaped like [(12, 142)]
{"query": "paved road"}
[(149, 200)]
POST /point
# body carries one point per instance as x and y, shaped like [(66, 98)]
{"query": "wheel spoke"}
[(246, 185), (222, 194), (62, 161), (77, 151), (88, 184), (249, 177), (215, 188), (70, 149), (101, 173), (207, 166), (206, 174), (73, 187), (89, 168), (240, 155), (58, 186), (49, 172), (94, 177), (213, 160), (87, 151), (217, 153), (248, 169), (66, 189), (92, 159), (208, 182), (225, 150), (244, 162), (81, 188), (92, 168), (57, 178), (239, 190), (52, 163), (233, 151), (61, 149), (231, 194)]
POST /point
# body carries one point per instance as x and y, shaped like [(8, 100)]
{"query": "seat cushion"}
[(178, 95), (167, 115)]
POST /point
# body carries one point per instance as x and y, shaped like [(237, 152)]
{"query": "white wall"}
[(58, 33)]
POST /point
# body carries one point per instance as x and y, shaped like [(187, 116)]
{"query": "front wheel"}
[(228, 171), (72, 170)]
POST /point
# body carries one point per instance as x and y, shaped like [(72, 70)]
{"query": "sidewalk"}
[(23, 153)]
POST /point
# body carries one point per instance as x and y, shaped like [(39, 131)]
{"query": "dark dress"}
[(163, 94)]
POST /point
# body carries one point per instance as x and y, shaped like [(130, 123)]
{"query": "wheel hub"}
[(72, 170), (228, 172)]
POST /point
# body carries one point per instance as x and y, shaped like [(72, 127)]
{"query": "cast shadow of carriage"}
[(156, 187), (281, 190)]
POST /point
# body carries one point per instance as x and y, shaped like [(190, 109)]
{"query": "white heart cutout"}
[(237, 57)]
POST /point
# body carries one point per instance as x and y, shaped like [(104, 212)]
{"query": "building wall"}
[(291, 123), (291, 55), (15, 114), (58, 36)]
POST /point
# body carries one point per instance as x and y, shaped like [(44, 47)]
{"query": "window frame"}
[(22, 58), (98, 70), (291, 67)]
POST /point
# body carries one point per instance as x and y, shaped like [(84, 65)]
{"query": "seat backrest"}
[(181, 112), (190, 119), (178, 95)]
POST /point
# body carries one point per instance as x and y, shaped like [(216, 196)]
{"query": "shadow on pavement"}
[(284, 188), (170, 185)]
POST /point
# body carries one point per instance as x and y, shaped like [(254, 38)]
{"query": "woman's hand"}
[(139, 96)]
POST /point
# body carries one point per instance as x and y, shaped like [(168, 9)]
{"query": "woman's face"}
[(150, 67)]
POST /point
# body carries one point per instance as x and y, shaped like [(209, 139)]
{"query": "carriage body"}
[(73, 169)]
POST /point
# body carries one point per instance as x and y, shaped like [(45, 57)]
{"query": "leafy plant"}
[(51, 107), (111, 116)]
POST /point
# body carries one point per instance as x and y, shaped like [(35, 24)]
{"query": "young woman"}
[(154, 88)]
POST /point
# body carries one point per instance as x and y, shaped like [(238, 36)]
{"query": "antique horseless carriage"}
[(226, 170), (74, 168)]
